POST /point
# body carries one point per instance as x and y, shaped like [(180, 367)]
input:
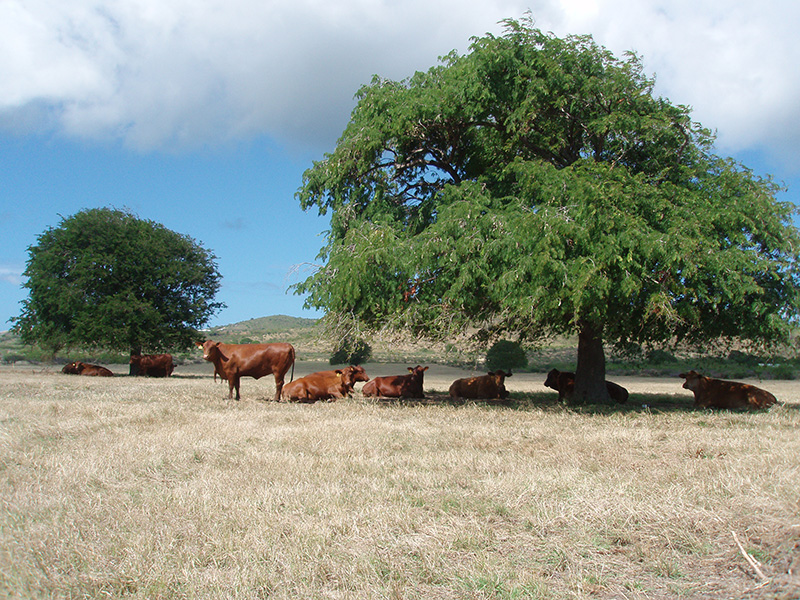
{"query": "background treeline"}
[(307, 335)]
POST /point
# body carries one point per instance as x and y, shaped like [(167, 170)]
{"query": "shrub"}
[(661, 357), (351, 351), (506, 355)]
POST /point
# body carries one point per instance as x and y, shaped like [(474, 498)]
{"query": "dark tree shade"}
[(106, 278), (536, 186)]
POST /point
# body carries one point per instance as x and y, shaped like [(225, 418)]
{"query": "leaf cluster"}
[(536, 184), (104, 277)]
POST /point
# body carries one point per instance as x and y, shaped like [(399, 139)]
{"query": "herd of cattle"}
[(234, 361)]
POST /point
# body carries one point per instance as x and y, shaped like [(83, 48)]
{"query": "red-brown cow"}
[(152, 365), (718, 393), (324, 385), (234, 361), (81, 368), (489, 386), (397, 386), (564, 383)]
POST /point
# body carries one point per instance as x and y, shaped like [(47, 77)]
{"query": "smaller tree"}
[(506, 355), (106, 278)]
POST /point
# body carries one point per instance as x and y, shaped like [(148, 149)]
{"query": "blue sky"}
[(203, 115)]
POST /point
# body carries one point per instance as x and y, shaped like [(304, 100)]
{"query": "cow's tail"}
[(293, 361)]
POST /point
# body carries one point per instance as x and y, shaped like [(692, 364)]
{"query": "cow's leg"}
[(233, 383), (278, 386)]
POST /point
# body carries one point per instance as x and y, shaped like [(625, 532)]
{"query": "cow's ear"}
[(509, 374), (425, 369), (338, 372), (410, 370), (199, 344)]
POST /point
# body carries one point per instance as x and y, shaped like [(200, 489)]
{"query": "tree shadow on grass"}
[(548, 402)]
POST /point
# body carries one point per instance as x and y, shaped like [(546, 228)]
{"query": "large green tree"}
[(105, 278), (537, 186)]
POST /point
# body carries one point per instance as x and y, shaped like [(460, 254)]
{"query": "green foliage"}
[(506, 355), (104, 278), (351, 351), (659, 356), (536, 186)]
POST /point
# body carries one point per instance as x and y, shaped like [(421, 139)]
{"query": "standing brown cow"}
[(397, 386), (152, 365), (718, 393), (491, 386), (564, 383), (81, 368), (325, 385), (234, 361)]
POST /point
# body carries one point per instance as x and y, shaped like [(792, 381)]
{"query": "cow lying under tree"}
[(718, 393)]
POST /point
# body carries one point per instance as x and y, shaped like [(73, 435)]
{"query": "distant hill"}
[(267, 325)]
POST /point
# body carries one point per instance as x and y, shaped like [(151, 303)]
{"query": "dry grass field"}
[(136, 488)]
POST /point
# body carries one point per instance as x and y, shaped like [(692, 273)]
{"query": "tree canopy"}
[(106, 278), (537, 186)]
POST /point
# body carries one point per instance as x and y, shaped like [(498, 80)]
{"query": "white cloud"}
[(10, 274), (734, 62), (172, 73)]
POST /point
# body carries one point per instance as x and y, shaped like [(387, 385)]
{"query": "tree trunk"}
[(590, 373)]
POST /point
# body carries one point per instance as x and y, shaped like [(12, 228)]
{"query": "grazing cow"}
[(489, 386), (324, 385), (718, 393), (397, 386), (234, 361), (152, 365), (564, 383), (81, 368)]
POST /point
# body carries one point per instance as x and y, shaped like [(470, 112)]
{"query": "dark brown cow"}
[(81, 368), (324, 385), (397, 386), (718, 393), (489, 386), (564, 383), (152, 365), (234, 361)]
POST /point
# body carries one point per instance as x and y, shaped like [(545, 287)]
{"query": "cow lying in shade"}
[(564, 383), (152, 365), (81, 368), (234, 361), (490, 387), (397, 386), (718, 393), (324, 385)]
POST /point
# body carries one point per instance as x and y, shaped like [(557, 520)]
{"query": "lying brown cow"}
[(489, 386), (234, 361), (718, 393), (81, 368), (152, 365), (324, 385), (564, 383), (397, 386)]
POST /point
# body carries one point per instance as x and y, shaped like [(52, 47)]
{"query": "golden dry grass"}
[(132, 488)]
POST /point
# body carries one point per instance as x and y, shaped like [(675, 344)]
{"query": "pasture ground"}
[(148, 488)]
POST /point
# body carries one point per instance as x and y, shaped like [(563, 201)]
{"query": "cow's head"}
[(499, 376), (692, 380), (418, 370), (210, 350), (357, 373), (73, 368), (552, 379)]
